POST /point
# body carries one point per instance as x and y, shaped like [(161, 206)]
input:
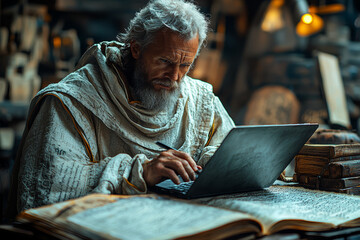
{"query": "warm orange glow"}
[(273, 19), (307, 18), (304, 29), (277, 3), (57, 42), (327, 9)]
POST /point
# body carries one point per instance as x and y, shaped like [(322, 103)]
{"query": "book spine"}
[(344, 158), (328, 183), (314, 168), (344, 169), (351, 190), (340, 183), (325, 159), (344, 150), (331, 151), (339, 169)]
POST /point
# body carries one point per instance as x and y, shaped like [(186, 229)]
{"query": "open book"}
[(157, 217)]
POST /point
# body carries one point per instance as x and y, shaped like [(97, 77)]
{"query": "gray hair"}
[(177, 15)]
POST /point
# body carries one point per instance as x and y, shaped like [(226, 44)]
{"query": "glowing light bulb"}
[(310, 23), (57, 42), (307, 18)]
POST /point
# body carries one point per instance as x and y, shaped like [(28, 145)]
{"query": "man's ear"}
[(135, 49)]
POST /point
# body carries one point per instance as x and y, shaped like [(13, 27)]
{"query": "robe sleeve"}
[(221, 126), (54, 165)]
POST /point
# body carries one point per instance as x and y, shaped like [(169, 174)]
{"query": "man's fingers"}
[(188, 163), (182, 168), (170, 164), (171, 174), (186, 157)]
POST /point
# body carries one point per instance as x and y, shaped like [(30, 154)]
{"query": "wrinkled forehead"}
[(170, 41)]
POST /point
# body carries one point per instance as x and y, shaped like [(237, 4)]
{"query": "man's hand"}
[(169, 164)]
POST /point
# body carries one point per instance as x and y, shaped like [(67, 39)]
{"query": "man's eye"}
[(165, 60)]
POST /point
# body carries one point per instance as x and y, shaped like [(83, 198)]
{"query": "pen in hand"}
[(163, 145), (160, 144)]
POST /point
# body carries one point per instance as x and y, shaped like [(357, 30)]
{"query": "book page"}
[(153, 218), (70, 207), (279, 203)]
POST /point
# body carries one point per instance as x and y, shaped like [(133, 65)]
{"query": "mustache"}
[(166, 82)]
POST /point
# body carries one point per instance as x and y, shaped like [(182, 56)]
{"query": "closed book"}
[(344, 169), (314, 166), (314, 158), (318, 165), (339, 169), (351, 190), (331, 150), (329, 183)]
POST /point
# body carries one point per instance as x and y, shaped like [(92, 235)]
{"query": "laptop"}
[(249, 158)]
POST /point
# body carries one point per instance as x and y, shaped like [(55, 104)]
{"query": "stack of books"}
[(330, 167)]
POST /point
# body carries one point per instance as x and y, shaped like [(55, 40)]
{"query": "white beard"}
[(151, 99)]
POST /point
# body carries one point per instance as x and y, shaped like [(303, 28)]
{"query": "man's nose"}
[(174, 72)]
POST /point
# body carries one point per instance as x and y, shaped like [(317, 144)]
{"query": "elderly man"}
[(96, 130)]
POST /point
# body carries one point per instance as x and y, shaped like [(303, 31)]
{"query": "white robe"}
[(84, 136)]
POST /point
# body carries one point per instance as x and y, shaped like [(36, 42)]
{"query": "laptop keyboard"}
[(168, 187), (182, 188)]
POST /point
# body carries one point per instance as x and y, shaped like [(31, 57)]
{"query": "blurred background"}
[(269, 61)]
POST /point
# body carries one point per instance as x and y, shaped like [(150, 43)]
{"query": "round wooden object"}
[(272, 105)]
